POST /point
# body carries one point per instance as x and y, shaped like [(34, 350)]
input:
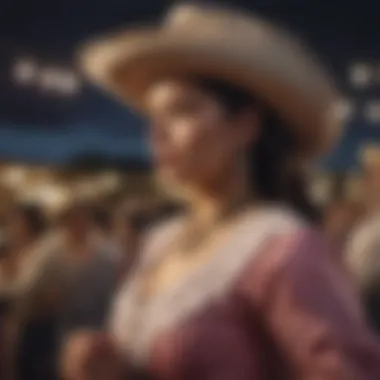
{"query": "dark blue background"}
[(38, 128)]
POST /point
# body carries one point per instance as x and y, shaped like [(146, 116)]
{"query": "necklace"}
[(143, 302), (194, 234)]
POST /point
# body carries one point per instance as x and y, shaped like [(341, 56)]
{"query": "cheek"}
[(196, 133), (196, 148), (212, 154), (185, 136), (207, 140)]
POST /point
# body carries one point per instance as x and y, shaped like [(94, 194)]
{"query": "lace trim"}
[(136, 326)]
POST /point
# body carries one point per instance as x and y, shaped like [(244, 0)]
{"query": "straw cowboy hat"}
[(227, 44)]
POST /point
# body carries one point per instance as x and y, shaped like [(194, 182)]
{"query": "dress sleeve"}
[(313, 313)]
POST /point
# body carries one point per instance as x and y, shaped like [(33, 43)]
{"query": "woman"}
[(242, 286)]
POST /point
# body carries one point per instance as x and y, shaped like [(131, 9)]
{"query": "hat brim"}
[(127, 64)]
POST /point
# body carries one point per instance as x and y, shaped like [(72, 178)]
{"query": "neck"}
[(210, 203)]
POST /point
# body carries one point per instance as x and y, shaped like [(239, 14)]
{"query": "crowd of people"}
[(60, 276), (57, 276)]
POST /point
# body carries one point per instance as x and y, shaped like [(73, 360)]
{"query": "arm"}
[(314, 315)]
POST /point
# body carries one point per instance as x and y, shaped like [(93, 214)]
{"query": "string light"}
[(361, 74), (62, 81), (372, 111), (25, 71)]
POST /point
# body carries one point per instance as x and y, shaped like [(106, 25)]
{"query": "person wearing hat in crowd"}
[(26, 287), (363, 250), (131, 220), (241, 285)]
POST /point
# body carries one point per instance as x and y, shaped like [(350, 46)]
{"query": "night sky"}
[(40, 127)]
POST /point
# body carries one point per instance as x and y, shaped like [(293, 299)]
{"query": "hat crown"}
[(180, 15), (241, 31), (197, 18)]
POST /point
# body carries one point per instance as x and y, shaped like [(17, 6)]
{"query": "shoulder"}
[(298, 254), (301, 249), (278, 221), (163, 230), (307, 270), (272, 230)]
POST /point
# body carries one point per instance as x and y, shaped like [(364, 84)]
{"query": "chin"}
[(171, 175), (173, 185)]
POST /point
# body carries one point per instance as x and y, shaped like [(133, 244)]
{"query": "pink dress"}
[(271, 305)]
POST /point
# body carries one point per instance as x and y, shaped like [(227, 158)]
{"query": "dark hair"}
[(33, 216), (166, 210), (95, 213), (273, 174), (136, 215), (102, 218)]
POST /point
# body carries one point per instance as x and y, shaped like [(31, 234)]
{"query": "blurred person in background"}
[(242, 285), (102, 225), (88, 269), (131, 222), (340, 217), (61, 283), (24, 286), (363, 248)]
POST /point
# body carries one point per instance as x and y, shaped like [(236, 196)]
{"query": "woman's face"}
[(194, 140)]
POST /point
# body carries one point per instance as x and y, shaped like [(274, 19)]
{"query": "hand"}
[(90, 355)]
